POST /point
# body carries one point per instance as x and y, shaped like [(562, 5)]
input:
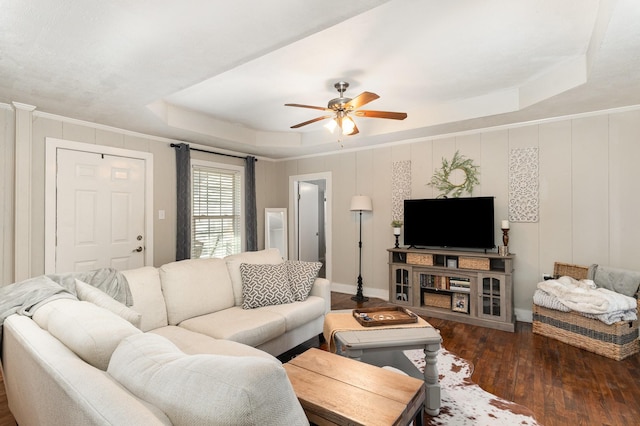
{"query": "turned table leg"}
[(431, 382)]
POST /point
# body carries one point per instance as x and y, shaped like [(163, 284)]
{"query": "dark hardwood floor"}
[(561, 384)]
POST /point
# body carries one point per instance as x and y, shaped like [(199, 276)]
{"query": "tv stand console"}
[(471, 287)]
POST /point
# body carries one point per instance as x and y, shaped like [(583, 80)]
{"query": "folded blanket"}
[(619, 280), (544, 299), (27, 296), (583, 296), (109, 280)]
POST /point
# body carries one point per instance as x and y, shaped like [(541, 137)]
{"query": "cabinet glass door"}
[(402, 285), (491, 298)]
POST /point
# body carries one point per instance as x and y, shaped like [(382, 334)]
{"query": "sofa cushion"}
[(301, 277), (261, 257), (195, 287), (193, 343), (249, 326), (206, 389), (98, 297), (90, 331), (146, 290), (297, 314), (264, 285)]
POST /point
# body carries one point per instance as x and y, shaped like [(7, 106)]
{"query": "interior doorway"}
[(310, 203)]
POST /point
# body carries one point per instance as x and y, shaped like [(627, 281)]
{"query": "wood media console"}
[(471, 287)]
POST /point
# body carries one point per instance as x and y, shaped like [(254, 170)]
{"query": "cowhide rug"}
[(464, 402)]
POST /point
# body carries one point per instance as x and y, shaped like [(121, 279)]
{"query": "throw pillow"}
[(90, 331), (301, 276), (206, 389), (264, 285), (98, 297)]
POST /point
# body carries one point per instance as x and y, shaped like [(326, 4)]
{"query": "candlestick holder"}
[(505, 236), (503, 250), (396, 233)]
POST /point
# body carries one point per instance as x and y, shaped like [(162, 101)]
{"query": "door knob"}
[(138, 250)]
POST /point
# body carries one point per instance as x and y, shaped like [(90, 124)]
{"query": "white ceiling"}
[(218, 73)]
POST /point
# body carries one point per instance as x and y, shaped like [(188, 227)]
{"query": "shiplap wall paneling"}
[(364, 186), (555, 195), (523, 236), (421, 156), (590, 190), (382, 231), (494, 175), (624, 174)]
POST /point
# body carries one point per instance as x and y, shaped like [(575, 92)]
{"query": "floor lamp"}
[(360, 203)]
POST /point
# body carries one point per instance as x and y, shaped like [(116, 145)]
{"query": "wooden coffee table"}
[(335, 390), (385, 347)]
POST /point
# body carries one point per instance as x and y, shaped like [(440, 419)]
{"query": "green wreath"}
[(459, 164)]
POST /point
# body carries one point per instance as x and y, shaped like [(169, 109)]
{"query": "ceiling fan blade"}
[(360, 100), (311, 121), (381, 114), (308, 106)]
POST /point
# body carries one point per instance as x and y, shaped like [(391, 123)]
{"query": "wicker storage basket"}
[(420, 259), (481, 263), (438, 300), (616, 341)]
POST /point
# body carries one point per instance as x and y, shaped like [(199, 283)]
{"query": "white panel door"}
[(99, 211), (308, 231)]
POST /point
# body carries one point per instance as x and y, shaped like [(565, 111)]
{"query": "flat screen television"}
[(449, 222)]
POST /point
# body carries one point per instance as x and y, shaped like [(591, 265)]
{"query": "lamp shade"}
[(361, 203)]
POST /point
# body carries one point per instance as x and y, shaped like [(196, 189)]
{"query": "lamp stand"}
[(359, 297)]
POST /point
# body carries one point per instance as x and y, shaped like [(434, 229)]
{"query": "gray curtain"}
[(251, 214), (183, 178)]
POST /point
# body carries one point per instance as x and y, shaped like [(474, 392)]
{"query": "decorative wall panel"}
[(400, 188), (523, 185)]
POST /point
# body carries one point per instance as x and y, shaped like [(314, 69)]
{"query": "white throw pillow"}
[(206, 389), (195, 287), (148, 299), (265, 285), (90, 331), (301, 276), (262, 257), (98, 297)]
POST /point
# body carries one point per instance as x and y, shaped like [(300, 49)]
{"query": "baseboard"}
[(352, 289), (524, 315)]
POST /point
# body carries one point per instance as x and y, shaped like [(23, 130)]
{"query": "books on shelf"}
[(437, 282), (460, 285)]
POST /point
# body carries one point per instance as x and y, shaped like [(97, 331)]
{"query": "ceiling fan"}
[(342, 107)]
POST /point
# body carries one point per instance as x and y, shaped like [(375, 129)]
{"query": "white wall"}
[(589, 201), (46, 125), (588, 194)]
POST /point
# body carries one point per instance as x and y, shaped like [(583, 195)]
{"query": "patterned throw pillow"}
[(264, 285), (301, 277)]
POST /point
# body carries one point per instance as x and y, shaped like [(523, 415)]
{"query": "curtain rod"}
[(173, 145)]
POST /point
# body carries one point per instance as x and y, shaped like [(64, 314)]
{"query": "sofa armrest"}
[(322, 288)]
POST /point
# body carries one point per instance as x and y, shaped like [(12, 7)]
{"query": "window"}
[(216, 218)]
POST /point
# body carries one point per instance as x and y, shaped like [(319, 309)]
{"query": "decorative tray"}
[(372, 317)]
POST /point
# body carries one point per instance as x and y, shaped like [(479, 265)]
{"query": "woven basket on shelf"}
[(481, 263), (616, 341), (420, 259), (438, 300)]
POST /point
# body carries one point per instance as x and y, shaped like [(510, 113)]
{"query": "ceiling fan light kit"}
[(342, 106)]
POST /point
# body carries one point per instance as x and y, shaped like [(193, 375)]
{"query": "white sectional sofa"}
[(194, 355)]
